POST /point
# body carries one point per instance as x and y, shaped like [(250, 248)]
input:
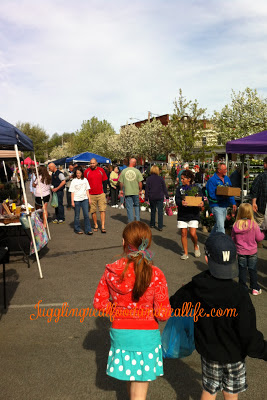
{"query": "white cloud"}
[(63, 61)]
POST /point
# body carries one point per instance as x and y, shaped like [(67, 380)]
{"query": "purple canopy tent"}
[(252, 144)]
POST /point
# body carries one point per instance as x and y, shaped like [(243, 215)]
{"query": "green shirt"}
[(130, 177)]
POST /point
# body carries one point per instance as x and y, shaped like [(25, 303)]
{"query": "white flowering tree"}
[(61, 151), (152, 140), (247, 114), (101, 144)]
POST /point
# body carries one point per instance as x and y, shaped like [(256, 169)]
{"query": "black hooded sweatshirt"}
[(226, 339)]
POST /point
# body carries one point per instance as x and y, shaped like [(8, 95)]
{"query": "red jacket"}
[(152, 306)]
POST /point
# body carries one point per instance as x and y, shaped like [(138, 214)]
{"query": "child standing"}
[(139, 293), (226, 332), (246, 233), (80, 198)]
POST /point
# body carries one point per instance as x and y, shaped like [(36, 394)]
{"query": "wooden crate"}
[(227, 191), (193, 201)]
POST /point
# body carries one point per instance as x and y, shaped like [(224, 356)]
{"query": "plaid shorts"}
[(230, 378)]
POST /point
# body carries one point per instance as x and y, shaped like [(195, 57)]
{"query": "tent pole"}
[(27, 210), (4, 165), (38, 179), (227, 163), (242, 177)]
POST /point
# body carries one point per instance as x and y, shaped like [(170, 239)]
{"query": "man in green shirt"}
[(131, 180)]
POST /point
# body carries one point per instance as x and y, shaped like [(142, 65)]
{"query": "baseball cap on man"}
[(221, 252)]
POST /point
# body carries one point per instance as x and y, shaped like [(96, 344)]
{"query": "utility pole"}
[(149, 116)]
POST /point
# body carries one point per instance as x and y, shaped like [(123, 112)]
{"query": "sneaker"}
[(61, 221), (113, 206), (256, 292), (184, 257), (55, 221), (116, 206), (121, 207), (197, 252)]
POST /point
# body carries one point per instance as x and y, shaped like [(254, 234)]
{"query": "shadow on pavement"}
[(201, 266), (12, 283), (121, 218), (167, 243), (183, 379), (98, 341)]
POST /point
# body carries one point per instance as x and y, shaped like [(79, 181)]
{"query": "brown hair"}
[(133, 235), (46, 178)]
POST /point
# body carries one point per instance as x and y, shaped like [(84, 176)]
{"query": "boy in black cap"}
[(227, 333)]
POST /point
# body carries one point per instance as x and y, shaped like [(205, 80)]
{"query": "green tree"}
[(39, 137), (58, 140), (185, 129), (247, 114), (84, 138)]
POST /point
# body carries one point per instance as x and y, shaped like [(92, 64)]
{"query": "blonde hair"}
[(245, 213), (154, 170)]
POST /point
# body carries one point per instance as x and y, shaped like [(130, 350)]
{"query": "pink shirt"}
[(41, 188), (246, 240)]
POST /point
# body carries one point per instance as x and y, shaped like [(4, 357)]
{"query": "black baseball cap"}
[(221, 252)]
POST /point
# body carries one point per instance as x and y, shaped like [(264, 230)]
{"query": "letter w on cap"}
[(226, 255)]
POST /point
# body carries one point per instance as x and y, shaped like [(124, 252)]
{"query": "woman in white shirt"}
[(42, 189), (80, 198)]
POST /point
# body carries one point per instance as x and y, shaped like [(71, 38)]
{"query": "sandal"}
[(89, 233), (103, 230), (95, 229)]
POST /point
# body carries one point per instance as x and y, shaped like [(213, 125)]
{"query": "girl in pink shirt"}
[(43, 188), (246, 233)]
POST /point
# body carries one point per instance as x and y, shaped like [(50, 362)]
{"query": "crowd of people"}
[(133, 284)]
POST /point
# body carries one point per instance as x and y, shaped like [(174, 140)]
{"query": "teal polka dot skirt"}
[(135, 355)]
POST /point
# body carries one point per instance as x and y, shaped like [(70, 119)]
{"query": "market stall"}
[(12, 138), (252, 144)]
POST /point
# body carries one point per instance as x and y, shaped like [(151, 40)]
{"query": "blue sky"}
[(62, 62)]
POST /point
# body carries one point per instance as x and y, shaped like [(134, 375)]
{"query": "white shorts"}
[(188, 224)]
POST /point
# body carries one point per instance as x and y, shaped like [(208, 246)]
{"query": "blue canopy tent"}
[(12, 138), (60, 161), (86, 157)]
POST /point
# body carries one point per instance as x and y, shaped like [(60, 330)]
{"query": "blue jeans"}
[(60, 209), (220, 216), (249, 262), (154, 205), (132, 202), (85, 207), (68, 194)]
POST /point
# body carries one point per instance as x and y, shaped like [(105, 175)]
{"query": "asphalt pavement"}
[(66, 360)]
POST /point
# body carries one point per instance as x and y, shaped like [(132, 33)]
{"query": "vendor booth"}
[(252, 144), (11, 138)]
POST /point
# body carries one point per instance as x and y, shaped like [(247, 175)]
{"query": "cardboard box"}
[(193, 201), (228, 191)]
